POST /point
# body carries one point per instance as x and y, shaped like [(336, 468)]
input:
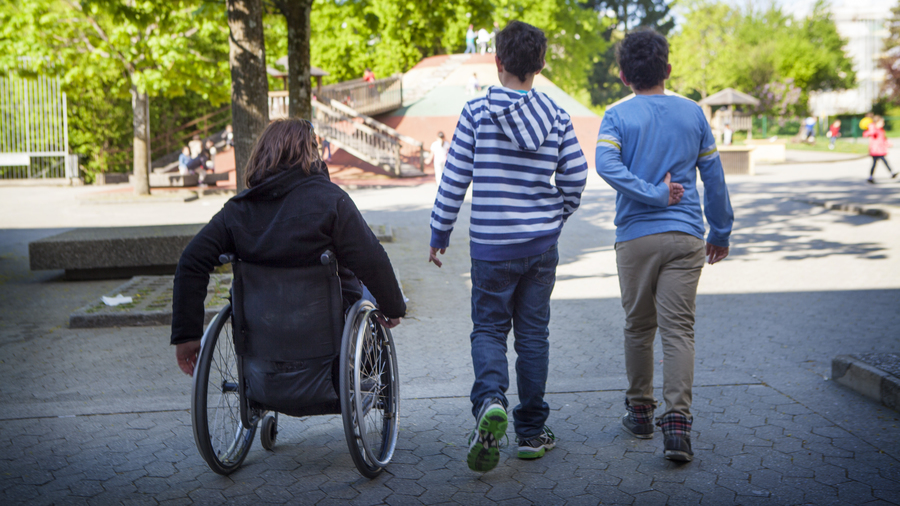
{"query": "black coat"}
[(287, 221)]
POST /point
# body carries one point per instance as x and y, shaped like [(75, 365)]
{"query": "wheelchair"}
[(300, 356)]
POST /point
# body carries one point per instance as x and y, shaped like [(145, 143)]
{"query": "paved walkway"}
[(99, 416)]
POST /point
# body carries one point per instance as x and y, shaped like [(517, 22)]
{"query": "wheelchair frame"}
[(224, 421)]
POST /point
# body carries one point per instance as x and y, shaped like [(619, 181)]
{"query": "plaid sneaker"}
[(638, 420), (484, 441), (676, 429), (536, 447)]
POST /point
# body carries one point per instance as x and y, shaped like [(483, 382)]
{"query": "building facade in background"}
[(863, 26)]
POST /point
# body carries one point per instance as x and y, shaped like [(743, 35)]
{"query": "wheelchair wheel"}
[(215, 404), (370, 391), (269, 431)]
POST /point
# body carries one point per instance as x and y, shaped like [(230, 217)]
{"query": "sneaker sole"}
[(639, 436), (485, 453), (679, 456), (531, 453)]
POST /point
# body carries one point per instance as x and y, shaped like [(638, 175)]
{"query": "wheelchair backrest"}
[(287, 314)]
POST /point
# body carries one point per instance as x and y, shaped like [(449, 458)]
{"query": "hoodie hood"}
[(526, 118), (277, 186)]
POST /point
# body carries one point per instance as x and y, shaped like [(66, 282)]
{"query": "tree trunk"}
[(299, 86), (140, 123), (249, 84)]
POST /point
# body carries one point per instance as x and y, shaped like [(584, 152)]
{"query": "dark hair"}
[(643, 57), (521, 48), (286, 144), (440, 135)]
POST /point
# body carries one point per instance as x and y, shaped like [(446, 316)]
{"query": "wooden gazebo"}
[(729, 97), (283, 62)]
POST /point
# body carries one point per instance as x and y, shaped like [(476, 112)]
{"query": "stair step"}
[(407, 170)]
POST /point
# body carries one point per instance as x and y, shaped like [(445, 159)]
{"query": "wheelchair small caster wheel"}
[(268, 432)]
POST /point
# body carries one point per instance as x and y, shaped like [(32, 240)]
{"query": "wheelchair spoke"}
[(226, 431)]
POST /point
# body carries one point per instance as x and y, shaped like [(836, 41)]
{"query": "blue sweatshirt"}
[(642, 139), (519, 152)]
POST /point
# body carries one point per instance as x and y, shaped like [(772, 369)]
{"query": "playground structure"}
[(342, 116)]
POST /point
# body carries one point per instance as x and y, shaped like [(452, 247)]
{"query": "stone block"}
[(876, 383), (116, 252)]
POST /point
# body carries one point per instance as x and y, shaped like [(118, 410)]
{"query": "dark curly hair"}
[(643, 57), (521, 48)]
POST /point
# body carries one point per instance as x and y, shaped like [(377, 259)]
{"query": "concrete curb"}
[(867, 380), (875, 212)]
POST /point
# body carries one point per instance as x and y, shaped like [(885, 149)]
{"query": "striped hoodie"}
[(519, 152)]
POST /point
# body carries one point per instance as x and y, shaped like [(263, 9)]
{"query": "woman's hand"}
[(390, 323), (186, 354)]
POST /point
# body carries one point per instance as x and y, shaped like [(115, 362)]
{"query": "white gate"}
[(34, 139)]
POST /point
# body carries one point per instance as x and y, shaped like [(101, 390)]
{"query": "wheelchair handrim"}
[(389, 438)]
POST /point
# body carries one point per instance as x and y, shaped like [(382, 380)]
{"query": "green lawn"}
[(843, 145), (861, 147)]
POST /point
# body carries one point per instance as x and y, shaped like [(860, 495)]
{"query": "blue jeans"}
[(513, 294), (470, 47)]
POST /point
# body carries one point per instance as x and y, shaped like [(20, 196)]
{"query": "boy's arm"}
[(716, 203), (454, 181), (616, 174), (571, 171)]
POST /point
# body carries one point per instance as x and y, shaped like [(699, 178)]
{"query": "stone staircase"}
[(368, 139), (418, 82)]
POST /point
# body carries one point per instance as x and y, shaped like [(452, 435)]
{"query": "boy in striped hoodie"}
[(518, 150)]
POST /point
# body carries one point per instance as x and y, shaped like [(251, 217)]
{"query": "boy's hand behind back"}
[(676, 191)]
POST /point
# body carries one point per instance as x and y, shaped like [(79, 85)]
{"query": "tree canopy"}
[(764, 52), (391, 36), (108, 51)]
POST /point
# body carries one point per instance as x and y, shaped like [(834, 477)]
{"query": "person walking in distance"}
[(519, 151), (470, 40), (878, 147), (834, 131), (439, 149), (483, 39), (649, 149)]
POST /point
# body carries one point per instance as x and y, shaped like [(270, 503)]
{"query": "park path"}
[(100, 416)]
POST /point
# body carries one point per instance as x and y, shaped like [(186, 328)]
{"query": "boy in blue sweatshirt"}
[(649, 150), (518, 150)]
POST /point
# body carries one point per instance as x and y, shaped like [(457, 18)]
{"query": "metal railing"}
[(371, 98), (34, 138), (173, 140), (367, 139), (278, 104)]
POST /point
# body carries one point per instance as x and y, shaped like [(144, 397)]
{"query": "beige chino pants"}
[(658, 276)]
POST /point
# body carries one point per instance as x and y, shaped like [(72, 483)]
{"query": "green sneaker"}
[(536, 447), (484, 442)]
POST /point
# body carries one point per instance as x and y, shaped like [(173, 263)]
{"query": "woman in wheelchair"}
[(290, 214)]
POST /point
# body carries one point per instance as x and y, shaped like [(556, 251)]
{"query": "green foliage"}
[(100, 130), (391, 36), (573, 36), (703, 53), (605, 87), (890, 62), (176, 51), (766, 52)]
